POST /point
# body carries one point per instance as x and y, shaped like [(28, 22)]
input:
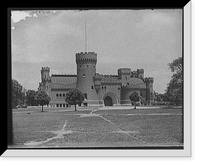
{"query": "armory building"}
[(98, 89)]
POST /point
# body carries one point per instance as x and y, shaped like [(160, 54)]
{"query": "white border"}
[(186, 152)]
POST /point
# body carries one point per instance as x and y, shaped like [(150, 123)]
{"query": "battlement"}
[(86, 57), (140, 73), (110, 75), (149, 79), (98, 76), (124, 71), (140, 70), (63, 75), (45, 68), (134, 74)]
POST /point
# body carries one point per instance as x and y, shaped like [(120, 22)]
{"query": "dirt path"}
[(60, 134)]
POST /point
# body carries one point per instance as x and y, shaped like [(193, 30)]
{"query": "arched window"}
[(60, 95), (85, 95), (57, 95)]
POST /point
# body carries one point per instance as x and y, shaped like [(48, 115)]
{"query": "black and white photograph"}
[(98, 79)]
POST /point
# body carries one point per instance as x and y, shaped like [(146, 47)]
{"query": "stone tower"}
[(149, 89), (86, 69), (46, 79), (124, 74)]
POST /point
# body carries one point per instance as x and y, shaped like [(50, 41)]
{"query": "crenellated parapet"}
[(45, 77), (124, 71), (149, 80), (45, 69), (140, 73), (86, 57)]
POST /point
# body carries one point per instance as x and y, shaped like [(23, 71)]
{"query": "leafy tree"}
[(174, 89), (134, 97), (42, 98), (17, 94), (30, 97), (74, 97)]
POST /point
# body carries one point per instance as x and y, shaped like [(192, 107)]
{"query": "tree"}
[(30, 97), (174, 91), (158, 98), (17, 94), (74, 97), (42, 98), (134, 97)]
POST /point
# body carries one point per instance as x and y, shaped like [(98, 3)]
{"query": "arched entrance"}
[(108, 101)]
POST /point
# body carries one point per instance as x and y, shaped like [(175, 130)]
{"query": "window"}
[(57, 95), (92, 87), (127, 83), (47, 88), (60, 95), (83, 75), (63, 94), (85, 95), (87, 66), (57, 105), (140, 94), (63, 105), (60, 105), (105, 87)]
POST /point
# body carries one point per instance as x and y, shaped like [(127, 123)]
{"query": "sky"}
[(136, 39)]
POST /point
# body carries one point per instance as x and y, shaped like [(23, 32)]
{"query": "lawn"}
[(103, 128)]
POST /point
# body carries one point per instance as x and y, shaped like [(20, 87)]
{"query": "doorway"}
[(108, 101)]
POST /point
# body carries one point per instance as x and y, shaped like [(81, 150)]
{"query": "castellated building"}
[(98, 89)]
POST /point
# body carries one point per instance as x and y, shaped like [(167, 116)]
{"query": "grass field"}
[(97, 128)]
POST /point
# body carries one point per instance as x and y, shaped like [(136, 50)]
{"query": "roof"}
[(63, 81), (137, 83)]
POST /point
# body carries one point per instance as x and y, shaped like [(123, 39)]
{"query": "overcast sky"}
[(148, 39)]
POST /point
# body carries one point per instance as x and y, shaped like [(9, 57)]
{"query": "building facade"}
[(98, 89)]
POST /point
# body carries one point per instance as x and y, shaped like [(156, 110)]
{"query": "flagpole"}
[(85, 37)]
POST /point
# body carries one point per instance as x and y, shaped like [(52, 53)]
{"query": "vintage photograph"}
[(97, 79)]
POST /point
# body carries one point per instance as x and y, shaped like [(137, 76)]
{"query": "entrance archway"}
[(108, 101)]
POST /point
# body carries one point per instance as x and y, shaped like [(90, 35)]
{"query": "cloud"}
[(154, 20)]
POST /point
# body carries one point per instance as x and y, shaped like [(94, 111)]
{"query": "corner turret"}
[(46, 80), (45, 74)]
